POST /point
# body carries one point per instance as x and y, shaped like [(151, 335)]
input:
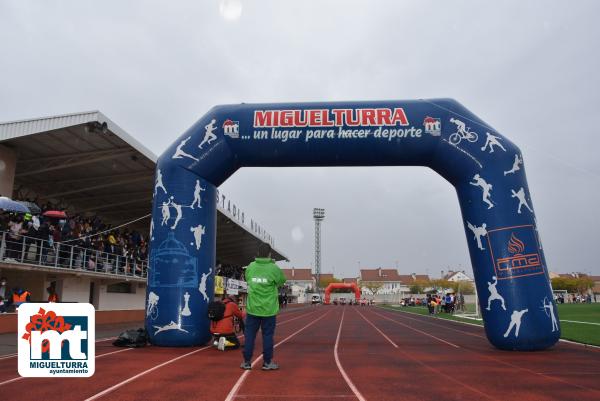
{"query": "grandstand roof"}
[(87, 164)]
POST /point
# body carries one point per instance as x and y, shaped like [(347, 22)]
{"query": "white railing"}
[(64, 256)]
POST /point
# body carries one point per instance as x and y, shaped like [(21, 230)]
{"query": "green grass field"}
[(569, 314)]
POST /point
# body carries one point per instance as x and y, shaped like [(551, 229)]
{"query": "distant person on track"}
[(223, 330), (264, 278)]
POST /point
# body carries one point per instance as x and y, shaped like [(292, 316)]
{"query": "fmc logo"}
[(518, 256), (56, 340)]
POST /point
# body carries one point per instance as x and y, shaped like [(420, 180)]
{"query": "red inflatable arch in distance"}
[(350, 286)]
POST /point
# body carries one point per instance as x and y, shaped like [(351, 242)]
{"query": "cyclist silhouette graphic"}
[(462, 132)]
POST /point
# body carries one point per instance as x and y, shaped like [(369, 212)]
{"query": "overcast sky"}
[(531, 69)]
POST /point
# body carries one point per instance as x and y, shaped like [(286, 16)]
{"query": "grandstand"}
[(87, 165)]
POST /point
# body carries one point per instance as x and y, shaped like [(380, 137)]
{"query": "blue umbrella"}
[(10, 205), (33, 208)]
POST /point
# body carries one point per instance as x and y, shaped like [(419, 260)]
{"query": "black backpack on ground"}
[(132, 339), (216, 311)]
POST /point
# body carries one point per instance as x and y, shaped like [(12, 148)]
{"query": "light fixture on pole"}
[(318, 216)]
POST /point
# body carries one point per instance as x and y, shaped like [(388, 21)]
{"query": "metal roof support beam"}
[(74, 155), (107, 177), (109, 196), (79, 190), (112, 155), (110, 205)]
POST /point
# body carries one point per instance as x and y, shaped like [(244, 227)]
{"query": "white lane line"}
[(97, 356), (339, 365), (424, 318), (8, 356), (234, 390), (417, 330), (298, 396), (11, 380), (576, 321), (592, 347), (132, 378), (438, 372), (377, 328)]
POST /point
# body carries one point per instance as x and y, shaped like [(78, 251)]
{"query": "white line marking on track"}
[(448, 327), (124, 382), (234, 390), (11, 380), (439, 372), (377, 328), (8, 356), (132, 378), (483, 355), (418, 331), (339, 365), (576, 321), (562, 340), (298, 396), (97, 356)]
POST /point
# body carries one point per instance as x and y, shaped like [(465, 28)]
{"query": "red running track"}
[(331, 353)]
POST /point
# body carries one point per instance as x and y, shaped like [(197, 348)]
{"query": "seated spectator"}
[(20, 296), (223, 330)]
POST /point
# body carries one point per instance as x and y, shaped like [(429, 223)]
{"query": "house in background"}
[(456, 276), (301, 282), (380, 281)]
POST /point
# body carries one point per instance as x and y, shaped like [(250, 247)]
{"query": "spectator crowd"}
[(74, 242)]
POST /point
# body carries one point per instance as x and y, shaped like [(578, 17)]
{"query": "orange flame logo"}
[(515, 245)]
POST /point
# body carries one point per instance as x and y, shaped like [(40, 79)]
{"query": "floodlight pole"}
[(318, 216)]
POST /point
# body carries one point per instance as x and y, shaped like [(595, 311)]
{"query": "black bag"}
[(132, 339), (216, 311)]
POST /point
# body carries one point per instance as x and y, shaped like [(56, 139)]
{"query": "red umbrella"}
[(55, 213)]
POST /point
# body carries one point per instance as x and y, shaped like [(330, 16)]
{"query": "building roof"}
[(325, 276), (298, 274), (87, 164), (379, 274), (451, 274)]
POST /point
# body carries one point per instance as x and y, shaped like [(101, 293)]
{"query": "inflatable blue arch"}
[(485, 168)]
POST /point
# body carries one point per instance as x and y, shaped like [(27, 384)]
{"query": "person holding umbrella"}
[(15, 231), (15, 226)]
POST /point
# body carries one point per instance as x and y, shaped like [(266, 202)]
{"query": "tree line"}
[(573, 285)]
